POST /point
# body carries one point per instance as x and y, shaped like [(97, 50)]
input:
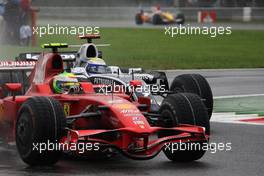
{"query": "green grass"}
[(240, 105), (150, 48)]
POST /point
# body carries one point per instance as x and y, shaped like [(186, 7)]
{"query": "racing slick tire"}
[(138, 19), (180, 19), (184, 108), (197, 84), (156, 19), (41, 121)]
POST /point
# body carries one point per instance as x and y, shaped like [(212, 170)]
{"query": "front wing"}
[(134, 144)]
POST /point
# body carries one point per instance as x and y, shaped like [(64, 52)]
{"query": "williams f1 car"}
[(89, 62), (41, 117), (157, 17)]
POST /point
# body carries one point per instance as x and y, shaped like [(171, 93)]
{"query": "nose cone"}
[(130, 116)]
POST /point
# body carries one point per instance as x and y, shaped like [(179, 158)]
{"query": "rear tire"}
[(41, 120), (156, 20), (184, 108), (180, 19), (197, 84)]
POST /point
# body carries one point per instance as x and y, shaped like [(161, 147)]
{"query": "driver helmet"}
[(63, 82), (96, 64), (93, 61)]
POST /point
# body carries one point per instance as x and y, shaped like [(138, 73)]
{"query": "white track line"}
[(238, 96)]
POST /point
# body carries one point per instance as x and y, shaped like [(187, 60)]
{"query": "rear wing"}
[(15, 72), (67, 56)]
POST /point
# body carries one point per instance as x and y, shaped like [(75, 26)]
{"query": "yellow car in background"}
[(157, 17)]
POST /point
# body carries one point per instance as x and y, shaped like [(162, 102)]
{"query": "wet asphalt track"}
[(245, 158)]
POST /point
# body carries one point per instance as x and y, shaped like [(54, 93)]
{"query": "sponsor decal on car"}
[(130, 112), (138, 121), (124, 106), (103, 81), (67, 109)]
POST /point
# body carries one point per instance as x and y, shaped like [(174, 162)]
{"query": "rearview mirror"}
[(13, 87)]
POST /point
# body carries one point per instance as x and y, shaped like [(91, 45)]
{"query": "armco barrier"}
[(128, 13)]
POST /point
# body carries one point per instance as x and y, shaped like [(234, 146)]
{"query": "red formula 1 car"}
[(44, 123)]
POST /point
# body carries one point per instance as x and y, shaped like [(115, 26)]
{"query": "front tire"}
[(184, 108), (41, 120), (197, 84)]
